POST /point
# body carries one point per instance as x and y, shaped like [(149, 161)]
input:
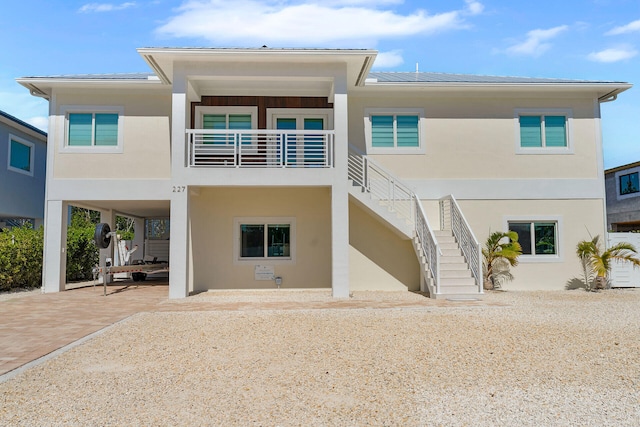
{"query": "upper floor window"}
[(544, 131), (95, 129), (629, 183), (21, 155), (397, 131)]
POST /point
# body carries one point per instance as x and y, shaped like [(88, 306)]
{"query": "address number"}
[(179, 188)]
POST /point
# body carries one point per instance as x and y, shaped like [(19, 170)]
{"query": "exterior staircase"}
[(450, 258)]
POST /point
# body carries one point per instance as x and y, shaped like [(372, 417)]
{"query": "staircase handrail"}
[(364, 171), (428, 242), (469, 245), (361, 167)]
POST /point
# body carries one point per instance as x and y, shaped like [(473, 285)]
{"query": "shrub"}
[(21, 258), (82, 253)]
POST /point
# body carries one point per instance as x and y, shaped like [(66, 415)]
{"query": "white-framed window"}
[(95, 129), (21, 155), (539, 237), (394, 131), (546, 131), (232, 118), (628, 183), (271, 239)]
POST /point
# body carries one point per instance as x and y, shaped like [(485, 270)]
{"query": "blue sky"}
[(589, 39)]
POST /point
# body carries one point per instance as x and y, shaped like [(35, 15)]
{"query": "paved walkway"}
[(34, 325)]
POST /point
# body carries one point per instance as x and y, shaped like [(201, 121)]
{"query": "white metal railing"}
[(381, 185), (398, 198), (428, 243), (452, 218), (260, 148)]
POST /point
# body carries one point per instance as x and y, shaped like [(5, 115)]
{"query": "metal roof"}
[(426, 77), (22, 123), (113, 76)]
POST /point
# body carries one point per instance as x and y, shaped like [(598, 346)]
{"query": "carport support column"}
[(54, 269), (179, 243), (340, 195)]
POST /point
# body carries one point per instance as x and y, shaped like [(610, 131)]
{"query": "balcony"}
[(260, 148)]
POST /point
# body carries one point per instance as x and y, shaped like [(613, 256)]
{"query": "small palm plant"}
[(501, 252), (596, 263)]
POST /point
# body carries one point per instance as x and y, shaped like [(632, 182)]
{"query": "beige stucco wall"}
[(146, 131), (476, 136), (378, 258), (214, 262), (578, 220)]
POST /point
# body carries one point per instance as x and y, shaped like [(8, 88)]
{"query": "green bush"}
[(21, 258), (82, 253)]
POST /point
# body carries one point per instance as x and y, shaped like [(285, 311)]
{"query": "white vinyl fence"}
[(624, 275)]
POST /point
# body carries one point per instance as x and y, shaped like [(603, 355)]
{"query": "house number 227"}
[(179, 188)]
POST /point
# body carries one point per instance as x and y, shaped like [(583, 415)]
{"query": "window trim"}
[(617, 178), (91, 109), (567, 112), (264, 220), (559, 256), (32, 154), (201, 110), (300, 113), (420, 149)]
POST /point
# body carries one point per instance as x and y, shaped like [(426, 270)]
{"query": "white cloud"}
[(536, 41), (41, 122), (474, 7), (353, 23), (104, 7), (17, 101), (624, 29), (613, 54), (389, 59)]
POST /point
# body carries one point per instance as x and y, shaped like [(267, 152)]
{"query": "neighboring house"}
[(623, 198), (23, 156), (301, 168)]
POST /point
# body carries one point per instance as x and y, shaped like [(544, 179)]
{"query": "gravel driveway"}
[(567, 358)]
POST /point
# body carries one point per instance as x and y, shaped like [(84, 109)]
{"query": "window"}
[(270, 239), (543, 132), (93, 128), (394, 132), (536, 238), (629, 183), (20, 155)]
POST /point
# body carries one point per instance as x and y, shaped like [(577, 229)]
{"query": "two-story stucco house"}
[(23, 152), (301, 168)]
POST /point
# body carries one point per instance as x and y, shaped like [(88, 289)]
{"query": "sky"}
[(575, 39)]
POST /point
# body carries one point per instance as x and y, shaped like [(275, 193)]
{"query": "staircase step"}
[(452, 259), (454, 266), (448, 245), (455, 274), (451, 252), (443, 233), (456, 282)]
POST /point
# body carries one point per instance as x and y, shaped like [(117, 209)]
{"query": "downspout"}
[(611, 96)]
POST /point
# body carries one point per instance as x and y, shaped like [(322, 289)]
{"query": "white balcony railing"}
[(260, 148)]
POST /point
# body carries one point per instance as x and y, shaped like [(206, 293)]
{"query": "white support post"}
[(340, 195), (54, 267), (138, 238), (179, 246), (179, 243)]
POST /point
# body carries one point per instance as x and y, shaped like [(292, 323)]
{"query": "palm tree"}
[(597, 262), (498, 257)]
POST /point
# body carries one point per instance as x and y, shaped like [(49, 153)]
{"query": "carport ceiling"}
[(135, 208)]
